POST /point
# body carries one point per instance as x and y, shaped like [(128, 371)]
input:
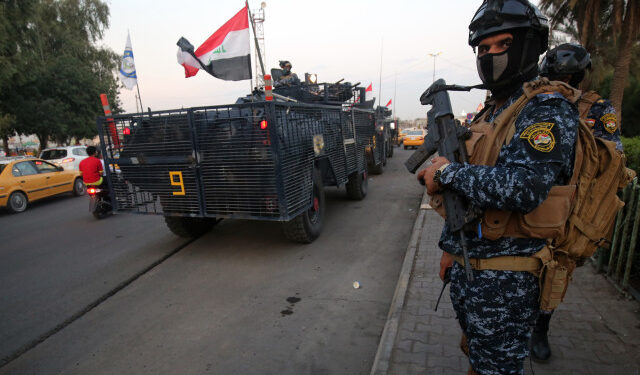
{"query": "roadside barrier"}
[(621, 261)]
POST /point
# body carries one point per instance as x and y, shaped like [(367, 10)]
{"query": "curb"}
[(388, 338)]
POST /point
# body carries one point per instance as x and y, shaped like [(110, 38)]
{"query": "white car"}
[(68, 157)]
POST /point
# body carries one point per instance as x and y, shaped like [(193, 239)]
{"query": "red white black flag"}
[(388, 104), (226, 54)]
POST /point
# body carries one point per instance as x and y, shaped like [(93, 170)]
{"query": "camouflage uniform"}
[(497, 308), (603, 121), (288, 80)]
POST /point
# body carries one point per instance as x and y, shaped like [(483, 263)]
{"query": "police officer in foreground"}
[(288, 78), (497, 309), (568, 63)]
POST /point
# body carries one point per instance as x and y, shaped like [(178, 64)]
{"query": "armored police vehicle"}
[(256, 159)]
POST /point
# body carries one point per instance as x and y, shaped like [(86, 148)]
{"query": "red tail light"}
[(126, 131), (68, 160), (263, 124), (91, 191)]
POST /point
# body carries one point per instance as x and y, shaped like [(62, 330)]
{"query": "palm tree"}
[(599, 26)]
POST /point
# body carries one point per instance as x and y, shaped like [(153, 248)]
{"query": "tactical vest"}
[(549, 218), (575, 218), (586, 101)]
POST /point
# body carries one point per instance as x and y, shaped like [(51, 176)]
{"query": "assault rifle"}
[(446, 137)]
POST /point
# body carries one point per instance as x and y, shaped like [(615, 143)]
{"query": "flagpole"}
[(395, 87), (380, 88), (139, 97)]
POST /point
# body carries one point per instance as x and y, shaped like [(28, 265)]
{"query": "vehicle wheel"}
[(100, 213), (405, 147), (357, 186), (17, 202), (307, 226), (376, 169), (78, 187), (184, 226)]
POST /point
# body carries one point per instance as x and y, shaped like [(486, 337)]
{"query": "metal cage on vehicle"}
[(251, 160)]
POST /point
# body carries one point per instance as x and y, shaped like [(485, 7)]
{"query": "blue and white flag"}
[(128, 67)]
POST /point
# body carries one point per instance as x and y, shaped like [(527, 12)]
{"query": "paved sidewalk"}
[(594, 331)]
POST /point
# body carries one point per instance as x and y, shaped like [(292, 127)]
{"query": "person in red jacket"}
[(91, 168)]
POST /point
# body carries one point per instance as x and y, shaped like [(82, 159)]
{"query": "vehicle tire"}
[(17, 202), (78, 187), (187, 227), (376, 169), (405, 147), (307, 226), (100, 213), (357, 186)]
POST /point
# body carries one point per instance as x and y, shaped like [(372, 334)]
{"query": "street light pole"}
[(434, 55)]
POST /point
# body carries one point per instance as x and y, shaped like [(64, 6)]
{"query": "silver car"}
[(68, 157)]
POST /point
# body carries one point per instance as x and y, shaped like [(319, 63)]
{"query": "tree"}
[(63, 72), (15, 15), (608, 29)]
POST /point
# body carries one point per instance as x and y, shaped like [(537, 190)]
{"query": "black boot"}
[(540, 350)]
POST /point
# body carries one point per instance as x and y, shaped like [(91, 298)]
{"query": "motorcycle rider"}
[(91, 168)]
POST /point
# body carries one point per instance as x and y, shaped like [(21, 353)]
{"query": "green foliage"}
[(632, 152), (57, 72)]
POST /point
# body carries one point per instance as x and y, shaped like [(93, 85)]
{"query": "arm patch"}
[(541, 139)]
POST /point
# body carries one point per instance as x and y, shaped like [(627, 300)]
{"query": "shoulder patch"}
[(610, 122), (539, 136)]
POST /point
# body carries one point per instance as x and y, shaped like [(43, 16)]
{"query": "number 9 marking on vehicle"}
[(177, 182)]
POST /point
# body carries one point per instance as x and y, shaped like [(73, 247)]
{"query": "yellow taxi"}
[(414, 138), (401, 134), (24, 180)]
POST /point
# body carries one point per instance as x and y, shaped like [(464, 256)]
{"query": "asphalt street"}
[(239, 300)]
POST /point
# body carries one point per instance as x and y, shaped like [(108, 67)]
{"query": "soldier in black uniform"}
[(288, 78), (497, 309), (568, 63)]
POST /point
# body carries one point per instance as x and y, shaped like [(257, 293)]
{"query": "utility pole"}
[(434, 55)]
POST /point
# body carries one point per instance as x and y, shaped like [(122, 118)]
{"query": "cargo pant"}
[(496, 312)]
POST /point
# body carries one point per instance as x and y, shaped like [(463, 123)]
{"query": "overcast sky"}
[(332, 38)]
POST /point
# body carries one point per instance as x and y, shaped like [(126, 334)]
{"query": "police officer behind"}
[(497, 308), (288, 78), (568, 63)]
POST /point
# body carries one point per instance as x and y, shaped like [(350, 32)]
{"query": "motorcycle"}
[(99, 202)]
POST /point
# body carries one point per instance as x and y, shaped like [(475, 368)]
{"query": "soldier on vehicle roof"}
[(497, 308), (288, 78)]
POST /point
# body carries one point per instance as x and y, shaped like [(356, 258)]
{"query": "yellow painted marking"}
[(179, 182)]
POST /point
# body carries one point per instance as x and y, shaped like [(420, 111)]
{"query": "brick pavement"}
[(595, 331)]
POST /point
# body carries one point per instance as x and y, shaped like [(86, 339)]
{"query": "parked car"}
[(414, 138), (68, 157), (24, 180)]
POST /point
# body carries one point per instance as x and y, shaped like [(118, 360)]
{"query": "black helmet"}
[(284, 63), (564, 60), (495, 16)]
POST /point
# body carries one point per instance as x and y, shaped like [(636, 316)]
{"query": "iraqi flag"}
[(368, 93), (225, 54)]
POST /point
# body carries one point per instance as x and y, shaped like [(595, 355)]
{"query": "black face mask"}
[(504, 72)]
